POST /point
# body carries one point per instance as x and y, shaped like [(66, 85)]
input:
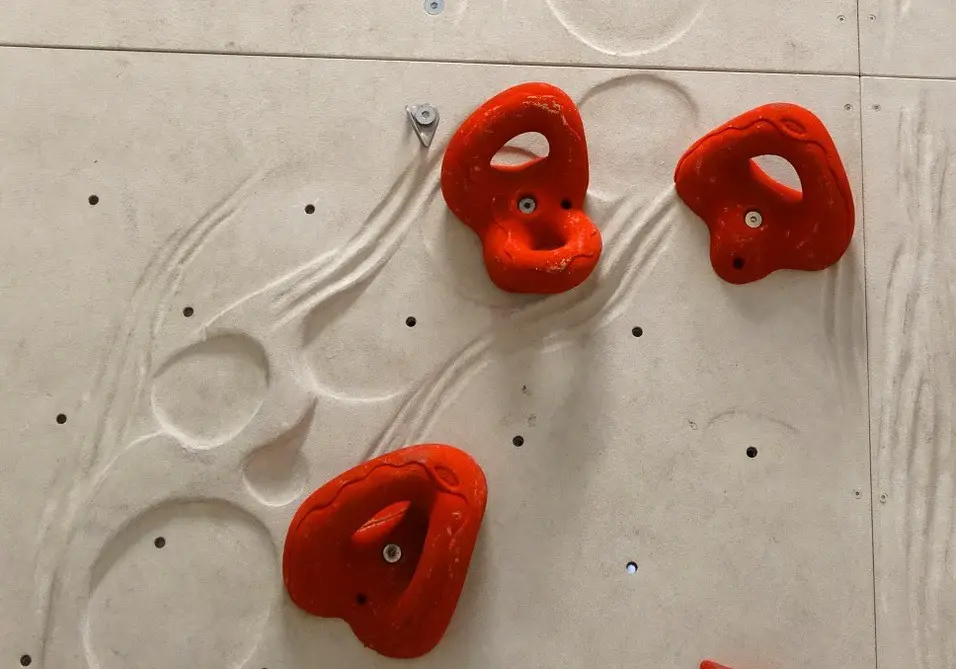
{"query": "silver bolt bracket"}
[(434, 7), (424, 119)]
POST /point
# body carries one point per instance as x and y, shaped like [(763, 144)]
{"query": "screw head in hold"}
[(753, 219), (527, 205), (392, 553)]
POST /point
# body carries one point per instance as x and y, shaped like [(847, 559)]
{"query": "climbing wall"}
[(230, 276)]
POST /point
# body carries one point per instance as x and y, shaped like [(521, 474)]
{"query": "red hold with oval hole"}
[(719, 180), (428, 500), (534, 234)]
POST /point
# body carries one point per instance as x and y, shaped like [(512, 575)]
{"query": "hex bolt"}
[(753, 219), (425, 114), (527, 205), (392, 553)]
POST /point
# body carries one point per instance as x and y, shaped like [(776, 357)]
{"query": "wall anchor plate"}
[(424, 118)]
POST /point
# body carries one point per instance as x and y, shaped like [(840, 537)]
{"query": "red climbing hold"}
[(758, 225), (535, 237), (386, 546), (708, 664)]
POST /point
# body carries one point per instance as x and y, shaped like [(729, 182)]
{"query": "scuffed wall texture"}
[(228, 278)]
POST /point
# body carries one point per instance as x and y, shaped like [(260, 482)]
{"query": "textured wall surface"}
[(210, 265), (784, 35), (910, 198), (908, 37)]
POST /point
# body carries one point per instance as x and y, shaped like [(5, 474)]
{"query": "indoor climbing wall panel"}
[(804, 36), (236, 278), (910, 185), (907, 37)]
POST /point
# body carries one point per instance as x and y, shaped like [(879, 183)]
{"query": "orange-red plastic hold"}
[(427, 500), (546, 247), (708, 664), (718, 179)]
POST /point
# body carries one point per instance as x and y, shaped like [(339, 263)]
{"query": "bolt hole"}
[(872, 17), (26, 660), (188, 312), (841, 18), (858, 494), (565, 204), (751, 452), (518, 441), (310, 209), (159, 542), (411, 321), (631, 567), (848, 107), (361, 599), (93, 200), (637, 331), (61, 418), (738, 263)]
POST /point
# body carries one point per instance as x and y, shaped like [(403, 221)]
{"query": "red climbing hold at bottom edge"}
[(386, 546)]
